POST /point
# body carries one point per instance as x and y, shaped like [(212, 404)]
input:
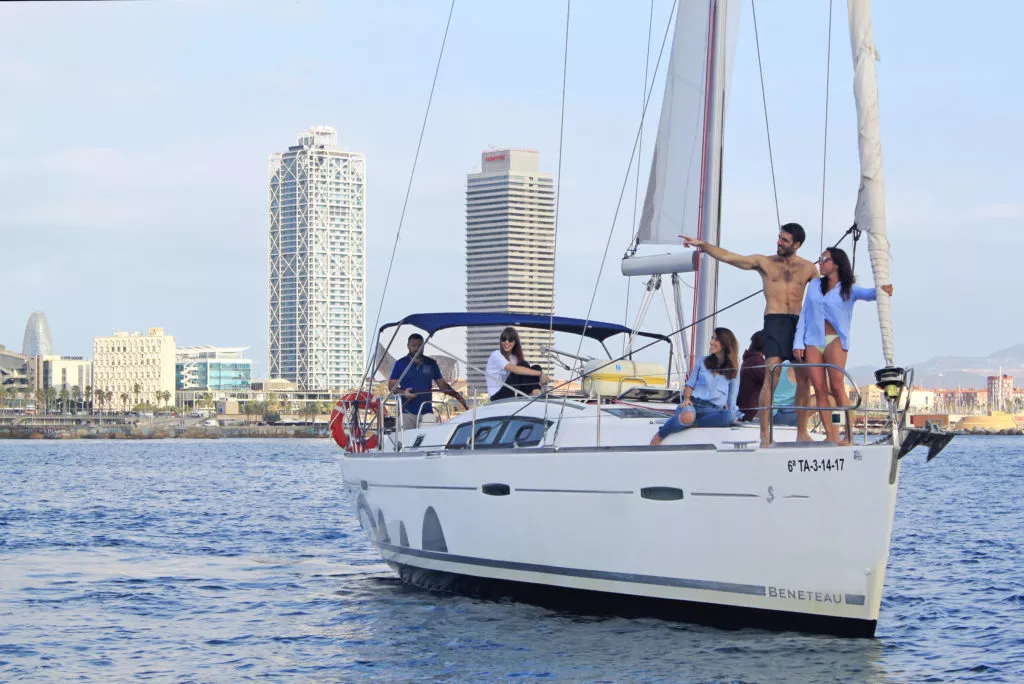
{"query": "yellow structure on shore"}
[(995, 421)]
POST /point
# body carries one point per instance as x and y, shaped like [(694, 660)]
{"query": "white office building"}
[(127, 359), (510, 250), (61, 373), (317, 263)]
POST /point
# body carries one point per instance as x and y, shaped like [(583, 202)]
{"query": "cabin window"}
[(499, 432), (522, 432), (486, 432)]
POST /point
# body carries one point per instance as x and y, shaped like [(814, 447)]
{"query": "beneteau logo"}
[(805, 595)]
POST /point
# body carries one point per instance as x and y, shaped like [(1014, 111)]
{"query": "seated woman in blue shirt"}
[(709, 397), (823, 331)]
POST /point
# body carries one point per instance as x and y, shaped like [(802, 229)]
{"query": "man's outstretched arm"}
[(747, 263), (451, 392)]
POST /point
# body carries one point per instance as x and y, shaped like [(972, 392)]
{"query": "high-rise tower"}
[(510, 250), (37, 340), (317, 263)]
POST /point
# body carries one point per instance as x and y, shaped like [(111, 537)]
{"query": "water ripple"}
[(237, 561)]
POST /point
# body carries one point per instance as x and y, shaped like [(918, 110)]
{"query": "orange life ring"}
[(346, 427)]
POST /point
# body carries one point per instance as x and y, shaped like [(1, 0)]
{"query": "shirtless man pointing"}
[(785, 277)]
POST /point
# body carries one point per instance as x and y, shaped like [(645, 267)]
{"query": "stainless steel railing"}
[(898, 415)]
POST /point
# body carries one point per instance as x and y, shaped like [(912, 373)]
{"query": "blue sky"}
[(135, 138)]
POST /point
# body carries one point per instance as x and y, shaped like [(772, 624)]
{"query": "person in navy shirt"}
[(414, 376)]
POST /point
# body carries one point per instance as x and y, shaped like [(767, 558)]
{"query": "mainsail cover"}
[(672, 204), (870, 211)]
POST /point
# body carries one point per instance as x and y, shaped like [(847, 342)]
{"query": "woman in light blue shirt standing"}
[(823, 331), (709, 397)]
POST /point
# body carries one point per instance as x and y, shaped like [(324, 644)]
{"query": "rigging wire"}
[(853, 231), (367, 372), (767, 129), (558, 180), (622, 190), (824, 150), (640, 150), (624, 356)]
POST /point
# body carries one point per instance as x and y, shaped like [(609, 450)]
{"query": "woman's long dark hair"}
[(730, 354), (517, 348), (846, 277)]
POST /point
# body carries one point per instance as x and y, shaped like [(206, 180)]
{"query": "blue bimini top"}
[(598, 330)]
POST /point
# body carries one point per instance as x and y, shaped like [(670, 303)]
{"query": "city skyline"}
[(135, 213)]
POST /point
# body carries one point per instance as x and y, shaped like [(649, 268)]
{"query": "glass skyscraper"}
[(317, 263), (37, 336)]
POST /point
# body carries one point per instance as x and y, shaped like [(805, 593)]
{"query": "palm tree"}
[(50, 395), (88, 398), (3, 396), (124, 400), (136, 390), (313, 409), (76, 397), (65, 395)]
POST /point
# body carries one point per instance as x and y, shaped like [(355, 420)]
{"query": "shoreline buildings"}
[(126, 359), (510, 251), (61, 373), (317, 263), (204, 370)]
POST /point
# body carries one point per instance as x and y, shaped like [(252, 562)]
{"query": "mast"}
[(706, 290), (870, 210)]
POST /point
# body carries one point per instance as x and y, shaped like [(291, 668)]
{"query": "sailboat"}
[(561, 502)]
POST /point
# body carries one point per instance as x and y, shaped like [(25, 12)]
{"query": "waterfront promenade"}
[(119, 426)]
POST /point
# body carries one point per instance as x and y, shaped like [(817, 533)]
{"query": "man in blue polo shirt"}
[(415, 375)]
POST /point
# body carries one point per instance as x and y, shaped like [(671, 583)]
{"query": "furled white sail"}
[(672, 204), (870, 210)]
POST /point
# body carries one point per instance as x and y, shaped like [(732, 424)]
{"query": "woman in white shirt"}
[(823, 332), (507, 370)]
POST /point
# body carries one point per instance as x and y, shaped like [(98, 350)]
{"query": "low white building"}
[(61, 372), (128, 359), (922, 400)]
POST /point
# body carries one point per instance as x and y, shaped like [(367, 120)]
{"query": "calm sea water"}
[(237, 560)]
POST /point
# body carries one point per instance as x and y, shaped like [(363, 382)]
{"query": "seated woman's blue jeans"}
[(707, 415)]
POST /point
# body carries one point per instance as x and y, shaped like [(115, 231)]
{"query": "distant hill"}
[(959, 371)]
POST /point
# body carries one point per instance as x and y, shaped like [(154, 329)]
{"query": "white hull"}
[(791, 536)]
